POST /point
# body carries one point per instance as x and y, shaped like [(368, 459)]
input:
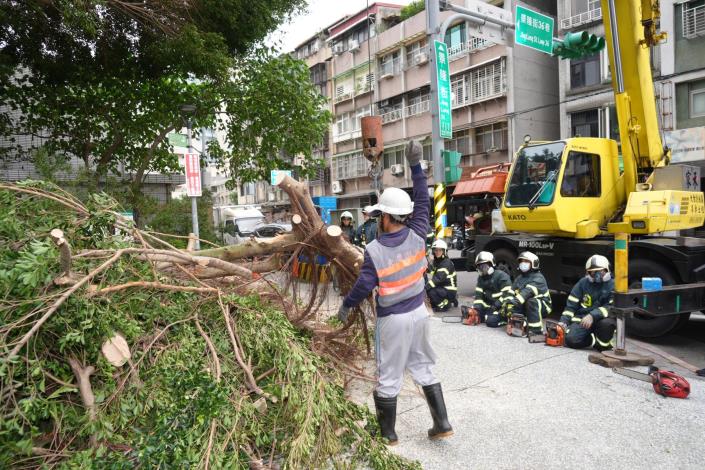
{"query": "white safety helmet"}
[(394, 201), (367, 210), (439, 244), (530, 257), (597, 263), (345, 214), (484, 257)]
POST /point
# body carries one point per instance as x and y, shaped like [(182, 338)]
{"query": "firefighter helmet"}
[(597, 263), (345, 214), (484, 257), (530, 257), (440, 244)]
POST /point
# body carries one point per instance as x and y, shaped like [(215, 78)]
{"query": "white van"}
[(238, 224)]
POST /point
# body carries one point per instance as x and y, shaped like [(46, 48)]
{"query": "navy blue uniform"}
[(589, 298)]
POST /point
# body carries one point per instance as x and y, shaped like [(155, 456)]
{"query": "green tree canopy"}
[(104, 80)]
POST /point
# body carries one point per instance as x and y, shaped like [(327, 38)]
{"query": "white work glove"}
[(343, 313), (414, 152)]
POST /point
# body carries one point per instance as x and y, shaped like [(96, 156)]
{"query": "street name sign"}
[(445, 114), (533, 30), (192, 162), (178, 140)]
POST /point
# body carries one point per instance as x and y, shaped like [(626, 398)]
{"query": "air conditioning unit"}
[(354, 45), (314, 48), (397, 169), (338, 48), (424, 165), (337, 187), (422, 58), (386, 75), (271, 196)]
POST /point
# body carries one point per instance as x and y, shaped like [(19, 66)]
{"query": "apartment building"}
[(587, 101), (380, 66)]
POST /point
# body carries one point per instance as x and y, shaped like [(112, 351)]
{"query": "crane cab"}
[(569, 188)]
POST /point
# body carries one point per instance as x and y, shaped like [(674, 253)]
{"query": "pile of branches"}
[(119, 350)]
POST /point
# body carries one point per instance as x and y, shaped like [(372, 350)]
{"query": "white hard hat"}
[(597, 263), (531, 258), (484, 257), (347, 214), (440, 244), (394, 201), (367, 209)]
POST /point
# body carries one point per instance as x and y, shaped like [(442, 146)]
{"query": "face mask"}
[(486, 269), (524, 266), (597, 276)]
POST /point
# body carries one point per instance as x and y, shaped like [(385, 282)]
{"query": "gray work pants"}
[(402, 342)]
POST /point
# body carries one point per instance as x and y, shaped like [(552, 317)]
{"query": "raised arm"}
[(419, 220)]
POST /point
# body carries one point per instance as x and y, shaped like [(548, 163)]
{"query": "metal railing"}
[(392, 116), (392, 67), (693, 21), (349, 135), (473, 44), (343, 97), (581, 18), (418, 108)]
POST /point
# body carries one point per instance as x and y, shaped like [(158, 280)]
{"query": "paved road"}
[(517, 405)]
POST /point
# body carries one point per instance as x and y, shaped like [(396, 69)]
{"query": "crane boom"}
[(630, 30)]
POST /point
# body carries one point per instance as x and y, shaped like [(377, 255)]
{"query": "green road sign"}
[(445, 114), (178, 140), (451, 162), (533, 30)]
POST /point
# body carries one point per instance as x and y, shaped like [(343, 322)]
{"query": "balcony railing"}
[(693, 21), (472, 45), (581, 18), (349, 135), (392, 116), (417, 108), (343, 97), (362, 89)]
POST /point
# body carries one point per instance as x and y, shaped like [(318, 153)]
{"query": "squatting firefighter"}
[(367, 232), (395, 262), (586, 313), (346, 224), (493, 285), (442, 288), (529, 296)]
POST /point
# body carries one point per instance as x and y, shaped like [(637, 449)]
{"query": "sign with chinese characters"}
[(445, 114), (533, 30), (178, 140), (192, 162)]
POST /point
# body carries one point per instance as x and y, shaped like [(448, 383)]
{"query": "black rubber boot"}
[(387, 417), (441, 427)]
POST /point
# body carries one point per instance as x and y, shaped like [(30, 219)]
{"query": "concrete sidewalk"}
[(516, 405)]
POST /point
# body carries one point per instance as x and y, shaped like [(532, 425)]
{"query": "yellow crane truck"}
[(565, 200)]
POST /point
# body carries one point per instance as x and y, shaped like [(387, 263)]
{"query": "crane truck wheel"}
[(506, 260), (642, 325)]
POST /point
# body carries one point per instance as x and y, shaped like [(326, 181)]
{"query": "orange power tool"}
[(555, 334)]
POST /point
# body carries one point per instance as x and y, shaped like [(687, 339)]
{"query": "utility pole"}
[(432, 18), (187, 110)]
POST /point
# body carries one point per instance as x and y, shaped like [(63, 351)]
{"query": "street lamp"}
[(187, 111)]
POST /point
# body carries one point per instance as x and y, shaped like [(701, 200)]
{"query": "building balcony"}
[(343, 97), (361, 90), (417, 108), (693, 21), (392, 116), (344, 136), (581, 19), (472, 45)]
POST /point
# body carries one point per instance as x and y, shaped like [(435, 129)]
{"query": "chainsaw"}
[(665, 383), (470, 315), (555, 334), (516, 325)]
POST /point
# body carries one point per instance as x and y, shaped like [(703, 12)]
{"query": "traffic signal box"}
[(451, 163), (578, 45)]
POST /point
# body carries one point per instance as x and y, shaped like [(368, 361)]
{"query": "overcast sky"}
[(318, 15)]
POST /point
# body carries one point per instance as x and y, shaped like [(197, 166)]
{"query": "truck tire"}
[(505, 260), (642, 325)]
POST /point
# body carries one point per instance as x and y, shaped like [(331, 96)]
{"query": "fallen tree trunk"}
[(253, 247)]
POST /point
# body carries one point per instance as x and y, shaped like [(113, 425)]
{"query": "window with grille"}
[(458, 91), (390, 64), (414, 51), (343, 123), (460, 142), (693, 23), (349, 166), (488, 81)]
